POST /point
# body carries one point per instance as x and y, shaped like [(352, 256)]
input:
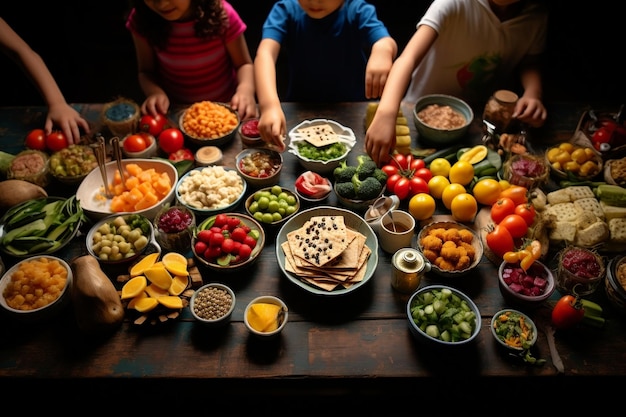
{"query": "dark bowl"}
[(442, 136), (615, 283), (195, 141), (519, 299)]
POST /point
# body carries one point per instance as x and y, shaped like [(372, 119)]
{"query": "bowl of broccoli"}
[(358, 186)]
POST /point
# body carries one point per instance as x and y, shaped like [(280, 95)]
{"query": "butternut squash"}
[(97, 305), (13, 192)]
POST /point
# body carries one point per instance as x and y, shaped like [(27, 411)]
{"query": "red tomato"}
[(418, 185), (135, 143), (181, 155), (56, 141), (567, 312), (171, 140), (527, 211), (400, 161), (417, 163), (392, 180), (500, 241), (36, 139), (423, 173), (390, 169), (502, 208), (515, 224), (402, 188), (152, 124)]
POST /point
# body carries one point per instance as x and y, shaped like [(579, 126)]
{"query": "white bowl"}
[(96, 206), (213, 304), (275, 160), (435, 135), (321, 166), (282, 321), (149, 152), (205, 187), (41, 313)]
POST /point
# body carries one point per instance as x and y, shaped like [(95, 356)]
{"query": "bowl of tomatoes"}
[(139, 145)]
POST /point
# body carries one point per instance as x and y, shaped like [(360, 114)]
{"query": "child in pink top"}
[(190, 51)]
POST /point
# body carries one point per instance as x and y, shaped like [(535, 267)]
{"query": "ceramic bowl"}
[(210, 254), (71, 165), (513, 330), (12, 300), (150, 150), (210, 190), (443, 334), (288, 205), (96, 205), (442, 136), (357, 205), (466, 240), (213, 304), (249, 133), (266, 316), (518, 287), (121, 239), (260, 167), (321, 166), (615, 283), (196, 140)]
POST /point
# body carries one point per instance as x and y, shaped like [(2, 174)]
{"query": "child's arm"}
[(272, 123), (378, 66), (381, 135), (243, 101), (156, 100), (60, 113), (529, 108)]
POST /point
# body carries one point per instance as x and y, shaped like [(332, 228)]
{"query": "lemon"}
[(437, 184), (440, 166), (175, 263), (450, 192), (134, 287), (462, 172), (422, 206)]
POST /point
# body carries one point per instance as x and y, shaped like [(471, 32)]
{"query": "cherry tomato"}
[(402, 188), (56, 141), (527, 211), (390, 169), (417, 163), (36, 139), (152, 124), (517, 193), (515, 224), (135, 143), (500, 241), (567, 312), (417, 185), (502, 208), (392, 180), (171, 140), (424, 173), (400, 161), (181, 155)]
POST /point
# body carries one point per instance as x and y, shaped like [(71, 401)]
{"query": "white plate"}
[(352, 221)]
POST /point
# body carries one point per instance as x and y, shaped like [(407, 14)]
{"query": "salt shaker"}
[(499, 109)]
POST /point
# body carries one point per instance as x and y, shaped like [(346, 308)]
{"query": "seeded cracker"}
[(319, 135), (320, 240)]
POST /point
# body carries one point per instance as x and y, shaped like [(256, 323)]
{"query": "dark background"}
[(91, 55)]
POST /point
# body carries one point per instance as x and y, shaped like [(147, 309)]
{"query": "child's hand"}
[(156, 103), (272, 127), (530, 111), (245, 105), (68, 120)]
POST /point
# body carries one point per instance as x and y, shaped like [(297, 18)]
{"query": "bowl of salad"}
[(321, 144)]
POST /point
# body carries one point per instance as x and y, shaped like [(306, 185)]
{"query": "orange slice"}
[(175, 263), (145, 304), (134, 287), (179, 284), (133, 302), (155, 292), (145, 263), (159, 276), (171, 301)]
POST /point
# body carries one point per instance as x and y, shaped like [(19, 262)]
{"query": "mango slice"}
[(134, 287), (263, 317), (159, 276)]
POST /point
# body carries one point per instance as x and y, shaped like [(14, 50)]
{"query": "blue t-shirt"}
[(325, 58)]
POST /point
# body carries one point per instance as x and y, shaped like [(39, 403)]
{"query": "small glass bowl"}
[(184, 223), (568, 282)]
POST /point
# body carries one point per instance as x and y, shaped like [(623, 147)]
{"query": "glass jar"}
[(173, 228), (580, 271), (499, 110)]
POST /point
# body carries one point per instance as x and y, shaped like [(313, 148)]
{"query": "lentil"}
[(212, 303)]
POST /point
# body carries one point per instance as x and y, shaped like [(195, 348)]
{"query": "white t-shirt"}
[(475, 53)]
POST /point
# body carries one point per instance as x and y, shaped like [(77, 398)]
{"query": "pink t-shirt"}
[(192, 69)]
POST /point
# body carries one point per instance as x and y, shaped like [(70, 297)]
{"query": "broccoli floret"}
[(380, 175), (345, 189), (366, 169), (366, 189), (344, 172)]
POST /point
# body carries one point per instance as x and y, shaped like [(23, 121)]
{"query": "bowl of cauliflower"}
[(211, 190)]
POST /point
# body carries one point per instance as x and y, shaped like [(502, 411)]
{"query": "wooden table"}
[(345, 348)]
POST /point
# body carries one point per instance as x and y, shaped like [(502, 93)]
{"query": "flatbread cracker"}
[(320, 240), (319, 135)]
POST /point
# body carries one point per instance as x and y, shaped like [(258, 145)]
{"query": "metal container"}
[(409, 266)]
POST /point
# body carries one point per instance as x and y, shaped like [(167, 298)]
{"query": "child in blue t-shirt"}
[(337, 50)]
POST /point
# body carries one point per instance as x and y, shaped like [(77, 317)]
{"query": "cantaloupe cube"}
[(134, 196), (132, 182), (133, 170)]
